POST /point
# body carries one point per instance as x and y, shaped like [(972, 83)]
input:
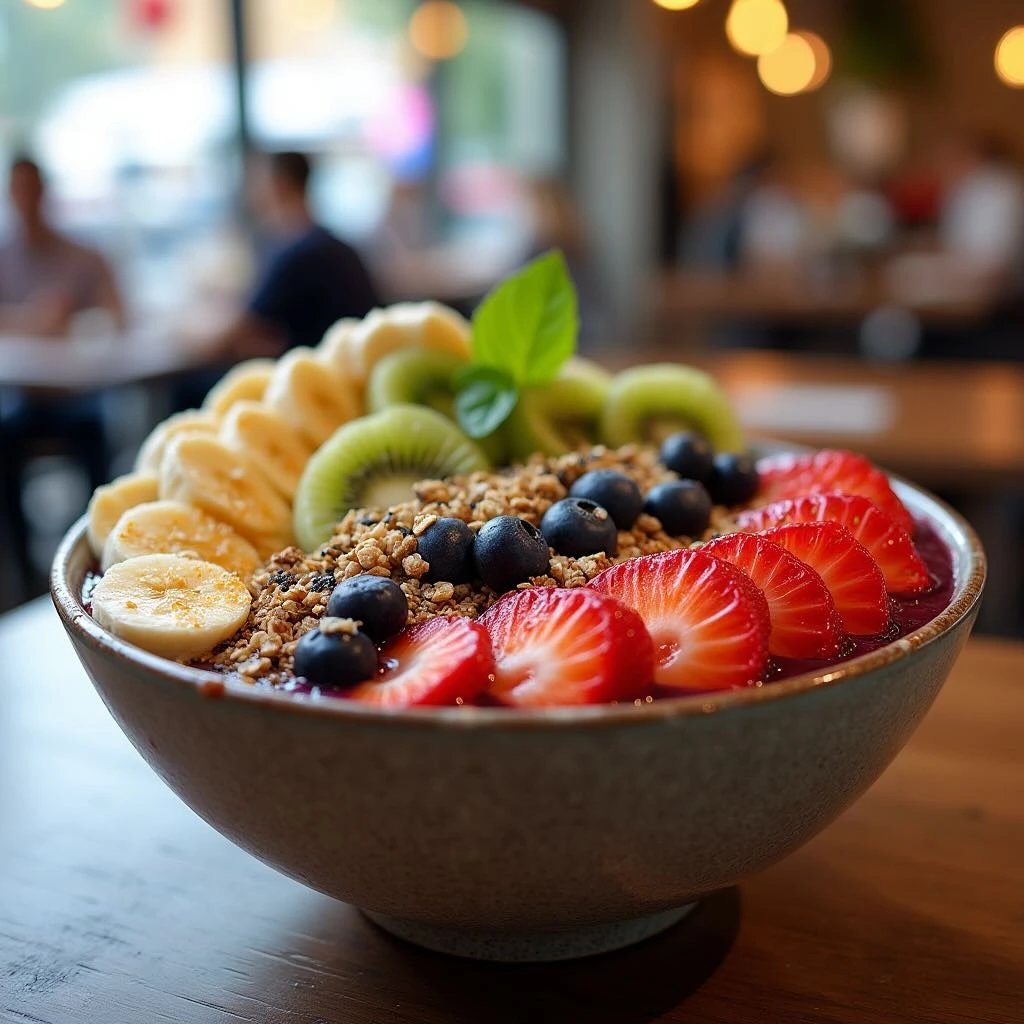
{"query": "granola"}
[(291, 590)]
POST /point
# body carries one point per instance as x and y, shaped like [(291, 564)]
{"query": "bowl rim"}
[(209, 684)]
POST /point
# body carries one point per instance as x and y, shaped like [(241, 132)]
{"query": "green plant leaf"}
[(527, 325), (484, 399)]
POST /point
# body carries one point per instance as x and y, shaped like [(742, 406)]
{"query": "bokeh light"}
[(800, 63), (789, 68), (677, 5), (45, 5), (756, 26), (822, 59), (438, 29), (1010, 57)]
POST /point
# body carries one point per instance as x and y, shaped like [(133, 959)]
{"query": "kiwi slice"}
[(373, 462), (647, 403), (423, 377), (415, 377), (559, 416)]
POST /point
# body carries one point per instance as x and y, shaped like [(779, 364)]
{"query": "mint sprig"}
[(523, 332)]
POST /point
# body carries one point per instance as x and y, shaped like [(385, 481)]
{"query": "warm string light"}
[(677, 5), (438, 29), (755, 27), (45, 5), (1009, 58)]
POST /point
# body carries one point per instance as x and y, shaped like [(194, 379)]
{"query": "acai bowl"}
[(637, 740)]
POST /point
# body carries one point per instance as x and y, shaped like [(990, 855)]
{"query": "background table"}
[(119, 906)]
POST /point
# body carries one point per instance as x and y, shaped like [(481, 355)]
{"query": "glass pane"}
[(128, 107)]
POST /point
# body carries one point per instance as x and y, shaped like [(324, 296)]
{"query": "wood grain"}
[(119, 906)]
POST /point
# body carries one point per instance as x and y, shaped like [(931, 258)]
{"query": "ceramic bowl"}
[(520, 835)]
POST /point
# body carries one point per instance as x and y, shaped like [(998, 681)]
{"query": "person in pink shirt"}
[(46, 278)]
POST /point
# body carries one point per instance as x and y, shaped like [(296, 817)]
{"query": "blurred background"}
[(820, 200)]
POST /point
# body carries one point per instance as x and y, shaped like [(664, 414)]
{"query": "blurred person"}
[(46, 278), (981, 220), (311, 278)]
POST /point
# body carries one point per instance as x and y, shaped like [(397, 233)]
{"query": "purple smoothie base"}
[(908, 614)]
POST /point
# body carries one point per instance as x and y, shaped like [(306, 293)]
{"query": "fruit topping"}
[(648, 403), (311, 395), (200, 470), (177, 607), (446, 660), (558, 416), (709, 623), (794, 476), (112, 500), (688, 454), (150, 457), (579, 526), (245, 382), (169, 527), (852, 576), (407, 325), (374, 462), (335, 656), (804, 620), (734, 479), (414, 376), (509, 551), (614, 491), (447, 544), (375, 602), (890, 545), (683, 507), (554, 647)]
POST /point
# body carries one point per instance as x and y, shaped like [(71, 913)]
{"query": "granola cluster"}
[(291, 591)]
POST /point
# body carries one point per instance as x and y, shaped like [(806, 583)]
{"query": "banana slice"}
[(313, 397), (246, 382), (335, 346), (112, 500), (228, 485), (406, 325), (171, 605), (151, 452), (171, 528), (278, 447)]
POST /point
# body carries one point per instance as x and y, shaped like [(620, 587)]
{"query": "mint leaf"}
[(484, 399), (527, 325)]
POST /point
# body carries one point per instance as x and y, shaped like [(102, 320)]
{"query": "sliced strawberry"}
[(890, 545), (447, 660), (708, 621), (804, 620), (794, 476), (557, 646), (852, 576)]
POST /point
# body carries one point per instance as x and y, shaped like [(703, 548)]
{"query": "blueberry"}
[(613, 491), (682, 506), (688, 454), (375, 601), (734, 480), (335, 660), (448, 546), (509, 550), (579, 526)]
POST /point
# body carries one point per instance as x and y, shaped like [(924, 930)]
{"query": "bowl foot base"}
[(532, 947)]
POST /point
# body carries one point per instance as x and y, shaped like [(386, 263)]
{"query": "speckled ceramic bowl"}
[(522, 835)]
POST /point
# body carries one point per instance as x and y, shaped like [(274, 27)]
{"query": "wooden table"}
[(119, 906), (946, 299)]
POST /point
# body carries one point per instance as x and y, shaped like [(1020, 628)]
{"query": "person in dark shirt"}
[(311, 279)]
